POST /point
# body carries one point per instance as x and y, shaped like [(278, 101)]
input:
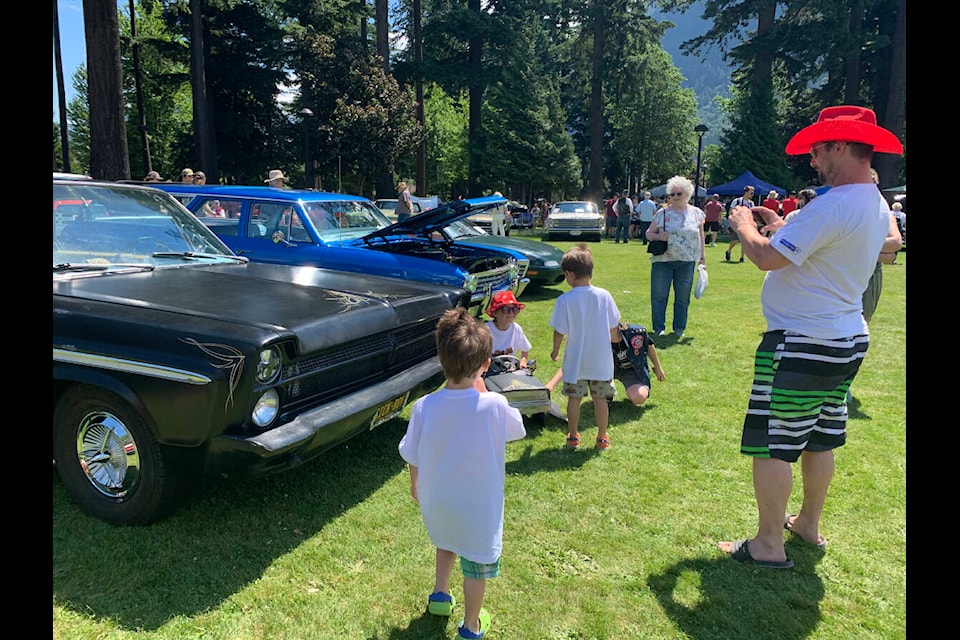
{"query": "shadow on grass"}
[(543, 293), (723, 599), (855, 410), (426, 627), (553, 459), (222, 539)]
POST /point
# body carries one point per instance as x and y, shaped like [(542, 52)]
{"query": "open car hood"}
[(437, 218)]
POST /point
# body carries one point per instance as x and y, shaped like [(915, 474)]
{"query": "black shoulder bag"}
[(658, 247)]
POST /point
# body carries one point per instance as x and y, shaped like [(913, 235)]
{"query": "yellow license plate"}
[(574, 233), (389, 409)]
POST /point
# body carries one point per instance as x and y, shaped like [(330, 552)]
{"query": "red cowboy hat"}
[(503, 299), (845, 123)]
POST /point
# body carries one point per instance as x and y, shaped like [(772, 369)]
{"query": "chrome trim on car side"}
[(129, 366)]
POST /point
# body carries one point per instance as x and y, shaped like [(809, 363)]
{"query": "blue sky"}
[(73, 50)]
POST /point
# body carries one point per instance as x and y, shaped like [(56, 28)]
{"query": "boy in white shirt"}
[(455, 445), (588, 317)]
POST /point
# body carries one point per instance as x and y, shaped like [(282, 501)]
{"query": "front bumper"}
[(318, 429)]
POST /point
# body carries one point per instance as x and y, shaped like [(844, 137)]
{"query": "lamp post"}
[(305, 115), (700, 129)]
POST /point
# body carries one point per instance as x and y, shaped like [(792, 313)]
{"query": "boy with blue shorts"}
[(455, 445), (630, 362)]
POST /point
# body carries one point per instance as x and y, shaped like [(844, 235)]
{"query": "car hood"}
[(309, 303), (437, 218), (527, 247)]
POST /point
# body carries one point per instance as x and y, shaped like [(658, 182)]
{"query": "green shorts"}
[(479, 571)]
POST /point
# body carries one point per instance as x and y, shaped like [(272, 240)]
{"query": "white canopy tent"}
[(659, 192)]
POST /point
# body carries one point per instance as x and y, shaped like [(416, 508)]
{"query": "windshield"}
[(332, 218), (575, 207), (112, 224), (462, 228)]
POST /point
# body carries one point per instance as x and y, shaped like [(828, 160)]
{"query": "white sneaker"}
[(661, 333)]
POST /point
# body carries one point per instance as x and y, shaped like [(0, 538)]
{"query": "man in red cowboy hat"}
[(817, 268)]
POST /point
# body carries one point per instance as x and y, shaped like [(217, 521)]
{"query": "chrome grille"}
[(321, 377), (496, 279)]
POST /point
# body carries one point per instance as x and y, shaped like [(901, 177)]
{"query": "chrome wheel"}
[(108, 454)]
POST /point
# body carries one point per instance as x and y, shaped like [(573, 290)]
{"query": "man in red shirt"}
[(713, 210), (789, 203), (611, 216), (771, 202)]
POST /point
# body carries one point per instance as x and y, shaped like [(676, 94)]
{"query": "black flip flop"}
[(740, 552)]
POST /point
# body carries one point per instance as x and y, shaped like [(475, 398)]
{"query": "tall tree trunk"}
[(61, 95), (597, 120), (204, 135), (144, 137), (895, 114), (421, 117), (383, 33), (108, 136), (384, 182), (475, 93), (851, 93)]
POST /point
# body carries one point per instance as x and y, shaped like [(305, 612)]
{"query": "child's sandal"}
[(440, 603), (603, 443), (463, 632), (573, 441)]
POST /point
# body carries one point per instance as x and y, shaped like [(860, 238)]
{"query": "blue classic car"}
[(175, 359), (349, 233)]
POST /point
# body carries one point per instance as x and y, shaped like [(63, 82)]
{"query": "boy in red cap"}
[(508, 336), (816, 336)]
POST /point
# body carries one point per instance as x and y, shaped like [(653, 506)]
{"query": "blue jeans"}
[(643, 231), (623, 229), (662, 275)]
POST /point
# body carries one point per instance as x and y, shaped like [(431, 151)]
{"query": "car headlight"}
[(551, 223), (514, 269), (268, 365), (470, 283), (266, 409)]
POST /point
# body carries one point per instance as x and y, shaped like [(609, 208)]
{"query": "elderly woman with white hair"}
[(681, 225)]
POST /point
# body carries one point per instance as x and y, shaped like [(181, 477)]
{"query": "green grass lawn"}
[(617, 545)]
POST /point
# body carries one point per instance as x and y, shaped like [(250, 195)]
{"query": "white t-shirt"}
[(512, 341), (457, 440), (832, 247), (585, 315)]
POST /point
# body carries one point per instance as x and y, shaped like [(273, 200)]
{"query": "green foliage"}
[(365, 118), (790, 67), (446, 121), (166, 95), (613, 546), (267, 59)]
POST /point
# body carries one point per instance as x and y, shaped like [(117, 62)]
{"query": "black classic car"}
[(175, 359)]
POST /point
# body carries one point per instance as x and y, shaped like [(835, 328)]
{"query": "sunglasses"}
[(677, 194), (510, 309), (813, 149)]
